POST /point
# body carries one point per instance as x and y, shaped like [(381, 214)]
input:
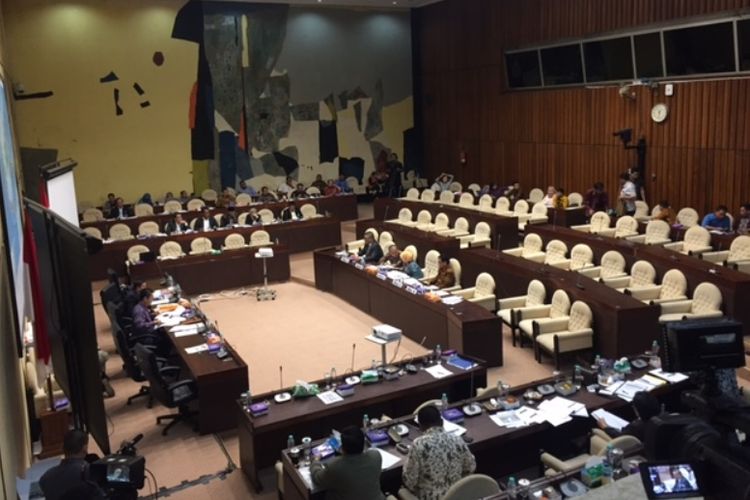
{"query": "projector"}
[(265, 252), (386, 332)]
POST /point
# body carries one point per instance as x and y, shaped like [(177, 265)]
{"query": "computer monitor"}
[(702, 345)]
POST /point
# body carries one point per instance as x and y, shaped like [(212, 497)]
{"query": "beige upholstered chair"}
[(143, 209), (309, 211), (599, 221), (706, 303), (657, 233), (412, 194), (170, 250), (424, 221), (466, 200), (597, 447), (447, 197), (148, 228), (195, 204), (581, 257), (201, 245), (120, 232), (538, 215), (642, 212), (485, 203), (482, 293), (531, 248), (612, 265), (556, 254), (404, 218), (93, 231), (535, 296), (266, 216), (260, 238), (536, 195), (502, 206), (218, 218), (474, 188), (36, 387), (673, 287), (697, 241), (313, 191), (624, 227), (172, 207), (738, 255), (209, 195), (642, 275), (575, 200), (356, 245), (243, 200), (688, 217), (456, 266), (234, 241), (473, 486), (385, 240), (431, 264), (428, 195), (482, 237), (442, 223), (456, 187), (231, 191), (411, 249), (559, 307), (355, 186), (565, 335), (92, 215), (134, 253), (460, 228), (520, 208)]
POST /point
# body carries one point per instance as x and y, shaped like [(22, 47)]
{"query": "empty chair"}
[(673, 287), (92, 215), (172, 206), (581, 257), (209, 195), (355, 186), (466, 200), (642, 275), (424, 221), (456, 187), (641, 211), (657, 233), (556, 254), (201, 245), (697, 241), (309, 211), (356, 245), (599, 221), (688, 217), (170, 250), (219, 218), (404, 218), (485, 203), (472, 486), (142, 209), (260, 238), (502, 206), (313, 191), (706, 303), (612, 265), (148, 228), (120, 232), (428, 195), (538, 215), (482, 293), (520, 209), (575, 200), (460, 228), (442, 223), (536, 293), (531, 248), (243, 200), (93, 231), (234, 241), (134, 253), (625, 226), (564, 335), (536, 195), (447, 197), (482, 237), (598, 446), (557, 309), (474, 188), (266, 216), (412, 194), (431, 265), (738, 255), (195, 204), (456, 267)]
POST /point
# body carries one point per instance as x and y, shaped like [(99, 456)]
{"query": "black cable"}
[(156, 485)]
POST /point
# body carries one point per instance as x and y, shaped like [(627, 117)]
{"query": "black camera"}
[(121, 474)]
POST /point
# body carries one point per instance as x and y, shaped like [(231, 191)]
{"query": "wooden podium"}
[(54, 425)]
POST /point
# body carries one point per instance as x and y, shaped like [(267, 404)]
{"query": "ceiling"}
[(353, 3)]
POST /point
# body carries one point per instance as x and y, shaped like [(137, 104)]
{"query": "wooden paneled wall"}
[(700, 156)]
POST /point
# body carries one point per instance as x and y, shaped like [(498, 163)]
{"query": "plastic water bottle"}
[(438, 353), (655, 348), (444, 401), (607, 465), (290, 442), (366, 422), (577, 377), (512, 488), (597, 363)]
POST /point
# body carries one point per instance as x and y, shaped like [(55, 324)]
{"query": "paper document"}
[(557, 410), (611, 389), (452, 300), (507, 419), (454, 429), (530, 415), (438, 371), (389, 459), (196, 349), (672, 378), (329, 397), (610, 419), (628, 390)]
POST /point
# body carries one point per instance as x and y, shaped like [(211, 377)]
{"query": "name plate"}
[(398, 283), (382, 276), (411, 290), (345, 258), (359, 266)]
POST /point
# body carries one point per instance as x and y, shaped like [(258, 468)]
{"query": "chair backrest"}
[(243, 200), (706, 298), (93, 231), (308, 211), (536, 195), (234, 240), (312, 190), (172, 206), (502, 204), (412, 194), (641, 209), (472, 487), (456, 187), (532, 243), (218, 218), (427, 195), (580, 316), (688, 217), (372, 231), (539, 208), (260, 238), (521, 207), (120, 231), (642, 273), (536, 293), (673, 285), (485, 285), (441, 221), (411, 249), (657, 230), (446, 197), (456, 266), (209, 195), (92, 215), (266, 216), (142, 209), (626, 225), (431, 263), (242, 218), (581, 256), (385, 240), (146, 360), (696, 237), (404, 215), (424, 217), (556, 251), (134, 253), (201, 244), (170, 249), (740, 248), (461, 224), (195, 204), (485, 202), (599, 221), (466, 200), (129, 362), (560, 305), (147, 228), (575, 199), (482, 230), (352, 182), (612, 264), (474, 188)]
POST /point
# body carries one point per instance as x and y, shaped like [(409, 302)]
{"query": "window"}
[(648, 56), (700, 49), (743, 41), (562, 65), (608, 60), (523, 69)]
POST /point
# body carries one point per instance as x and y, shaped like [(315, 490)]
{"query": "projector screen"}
[(62, 197)]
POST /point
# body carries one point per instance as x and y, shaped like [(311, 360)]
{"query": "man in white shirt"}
[(287, 187), (205, 222), (628, 194)]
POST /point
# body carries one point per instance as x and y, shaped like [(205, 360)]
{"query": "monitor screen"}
[(703, 344), (118, 473), (670, 480)]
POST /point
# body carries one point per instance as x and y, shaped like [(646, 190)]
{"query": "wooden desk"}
[(622, 324), (198, 274), (720, 241), (734, 285), (505, 227), (404, 236), (263, 438), (566, 217), (465, 327), (219, 383), (298, 236)]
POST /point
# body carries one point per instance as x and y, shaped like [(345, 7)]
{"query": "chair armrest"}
[(678, 306), (700, 250), (512, 302), (486, 301), (664, 301), (626, 234), (466, 238), (552, 462), (456, 233), (601, 434), (552, 325), (644, 292), (660, 241), (522, 217), (404, 494), (181, 383), (619, 282), (586, 228), (639, 238), (538, 219), (742, 266), (514, 252), (535, 257), (444, 231), (591, 272), (676, 246), (452, 289), (561, 264), (626, 443), (608, 232), (533, 312), (466, 293), (477, 242), (166, 370)]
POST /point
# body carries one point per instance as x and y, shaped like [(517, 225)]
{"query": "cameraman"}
[(70, 478)]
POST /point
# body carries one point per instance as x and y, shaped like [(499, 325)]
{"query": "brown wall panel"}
[(700, 156)]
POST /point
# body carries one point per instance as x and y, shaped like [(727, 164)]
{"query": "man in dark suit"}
[(371, 253), (291, 212), (120, 211), (176, 225), (205, 222), (229, 218)]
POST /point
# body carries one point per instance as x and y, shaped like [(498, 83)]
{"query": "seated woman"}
[(146, 198), (561, 201), (331, 188), (392, 258), (410, 267)]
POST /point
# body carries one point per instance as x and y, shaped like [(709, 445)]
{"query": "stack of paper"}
[(507, 419), (196, 349), (610, 419), (438, 371), (186, 330), (558, 410), (672, 378), (452, 428), (452, 300)]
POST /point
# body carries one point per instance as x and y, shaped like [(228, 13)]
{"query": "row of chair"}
[(202, 245), (481, 237)]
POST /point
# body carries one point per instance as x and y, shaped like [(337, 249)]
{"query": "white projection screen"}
[(61, 191)]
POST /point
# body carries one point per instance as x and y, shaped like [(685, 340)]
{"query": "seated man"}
[(226, 198), (343, 185), (331, 189), (168, 196), (355, 475), (229, 218), (437, 459), (120, 211), (319, 183), (742, 224), (299, 192), (645, 406), (392, 258), (252, 217), (132, 296), (371, 253), (176, 225), (286, 188), (410, 267), (265, 195), (666, 213), (143, 319), (109, 204), (290, 212), (513, 192), (205, 222), (184, 197), (70, 478), (718, 220), (445, 277), (244, 188)]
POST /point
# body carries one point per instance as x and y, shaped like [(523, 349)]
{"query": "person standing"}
[(628, 194), (596, 199)]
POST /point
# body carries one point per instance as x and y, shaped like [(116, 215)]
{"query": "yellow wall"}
[(66, 47)]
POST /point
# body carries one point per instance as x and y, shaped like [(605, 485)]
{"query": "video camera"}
[(122, 473)]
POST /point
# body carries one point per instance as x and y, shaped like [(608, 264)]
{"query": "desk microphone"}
[(578, 282), (497, 242), (352, 379), (385, 214), (554, 219), (283, 396)]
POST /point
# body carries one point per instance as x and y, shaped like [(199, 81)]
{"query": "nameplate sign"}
[(398, 283), (345, 258), (411, 290), (382, 276), (359, 266)]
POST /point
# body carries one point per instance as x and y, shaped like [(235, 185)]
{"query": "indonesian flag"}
[(32, 269)]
